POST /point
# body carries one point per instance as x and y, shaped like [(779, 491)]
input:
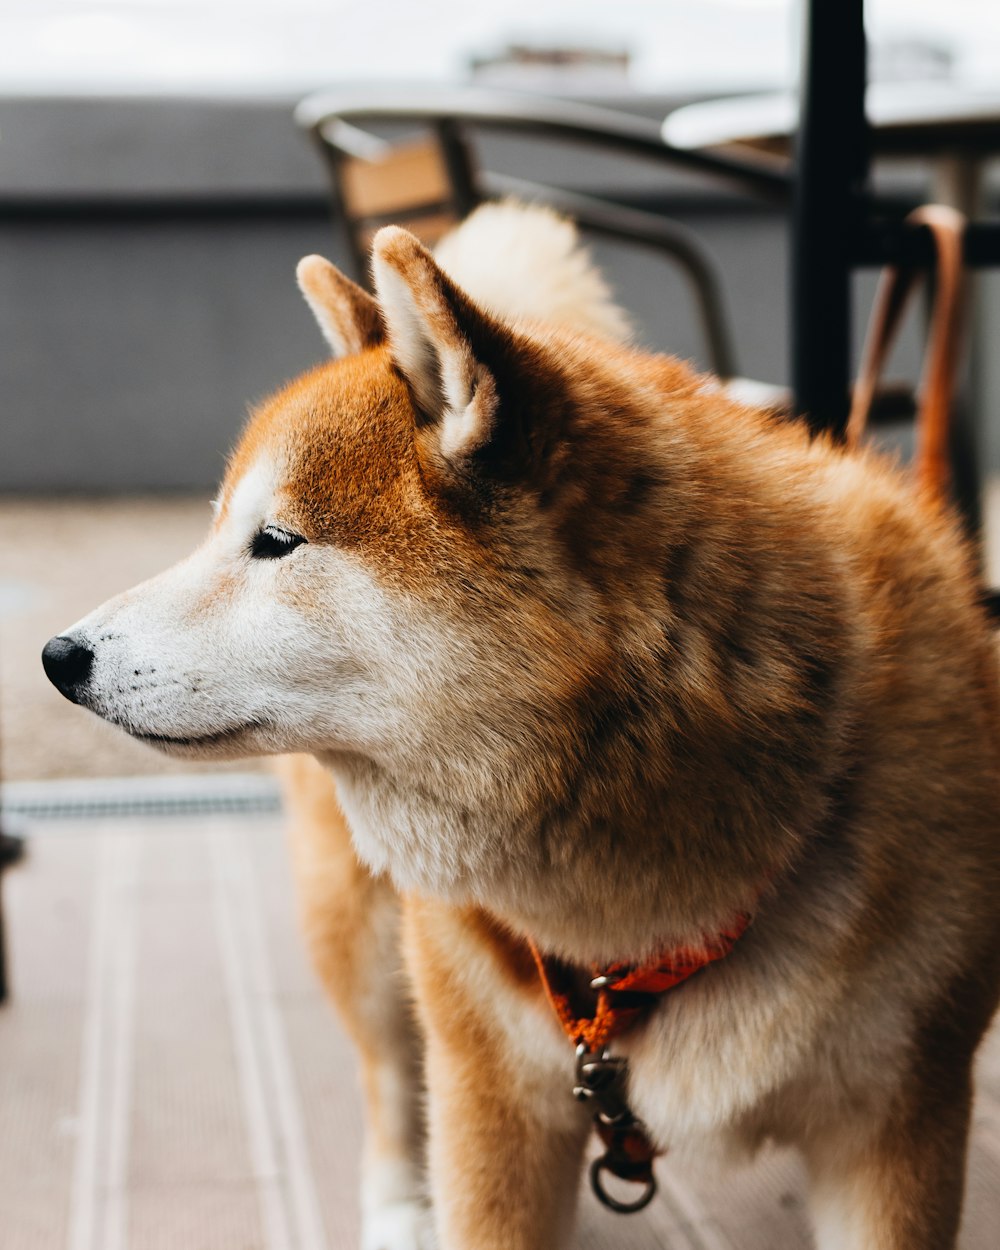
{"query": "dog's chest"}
[(423, 842)]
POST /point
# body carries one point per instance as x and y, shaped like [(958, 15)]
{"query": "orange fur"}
[(793, 598), (600, 657)]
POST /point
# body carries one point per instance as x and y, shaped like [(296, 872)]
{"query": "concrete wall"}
[(147, 295)]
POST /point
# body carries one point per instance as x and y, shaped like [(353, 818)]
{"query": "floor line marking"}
[(121, 1037), (247, 1047), (86, 1157), (290, 1118)]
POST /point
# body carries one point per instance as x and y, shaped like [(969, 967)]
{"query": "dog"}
[(591, 659)]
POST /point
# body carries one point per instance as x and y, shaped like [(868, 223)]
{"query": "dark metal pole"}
[(831, 172), (11, 850), (458, 162)]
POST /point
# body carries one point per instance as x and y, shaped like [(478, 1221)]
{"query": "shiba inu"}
[(592, 657)]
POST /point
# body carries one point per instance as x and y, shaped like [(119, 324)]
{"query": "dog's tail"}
[(523, 260)]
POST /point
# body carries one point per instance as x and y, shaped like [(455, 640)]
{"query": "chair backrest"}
[(407, 183), (422, 181)]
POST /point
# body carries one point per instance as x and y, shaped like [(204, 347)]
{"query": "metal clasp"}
[(600, 1081)]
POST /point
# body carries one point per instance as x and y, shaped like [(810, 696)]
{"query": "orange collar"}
[(625, 991)]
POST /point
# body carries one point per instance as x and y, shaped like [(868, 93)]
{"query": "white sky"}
[(264, 46)]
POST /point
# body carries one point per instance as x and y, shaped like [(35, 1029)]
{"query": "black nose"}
[(67, 665)]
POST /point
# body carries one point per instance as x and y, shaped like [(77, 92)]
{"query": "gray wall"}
[(132, 350), (147, 296)]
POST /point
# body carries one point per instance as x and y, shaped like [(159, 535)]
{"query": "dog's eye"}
[(270, 543)]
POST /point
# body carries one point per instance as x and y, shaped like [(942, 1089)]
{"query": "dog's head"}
[(397, 552)]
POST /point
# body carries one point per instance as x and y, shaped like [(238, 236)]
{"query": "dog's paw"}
[(405, 1225)]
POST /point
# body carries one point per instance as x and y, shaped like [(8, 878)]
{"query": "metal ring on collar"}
[(602, 1165)]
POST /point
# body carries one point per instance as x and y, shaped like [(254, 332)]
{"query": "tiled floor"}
[(171, 1077)]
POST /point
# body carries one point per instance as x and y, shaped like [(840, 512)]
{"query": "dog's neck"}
[(584, 889)]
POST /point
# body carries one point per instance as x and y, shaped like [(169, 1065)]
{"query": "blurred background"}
[(156, 191)]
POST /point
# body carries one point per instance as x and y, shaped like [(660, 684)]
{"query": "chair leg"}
[(831, 171), (4, 987), (11, 850)]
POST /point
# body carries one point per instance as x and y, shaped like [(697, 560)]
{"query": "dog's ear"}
[(348, 316), (441, 342)]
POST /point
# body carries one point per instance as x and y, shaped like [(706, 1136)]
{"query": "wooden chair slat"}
[(406, 176)]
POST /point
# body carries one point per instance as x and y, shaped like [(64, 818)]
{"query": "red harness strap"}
[(624, 993)]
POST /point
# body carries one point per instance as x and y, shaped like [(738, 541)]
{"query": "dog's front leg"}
[(898, 1185), (506, 1136), (351, 922)]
